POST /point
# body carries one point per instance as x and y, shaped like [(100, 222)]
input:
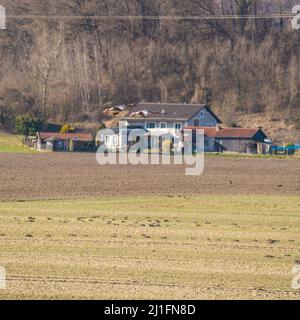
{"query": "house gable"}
[(204, 118), (260, 136)]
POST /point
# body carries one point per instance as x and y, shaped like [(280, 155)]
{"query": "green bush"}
[(27, 125)]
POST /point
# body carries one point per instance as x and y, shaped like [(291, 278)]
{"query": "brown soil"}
[(61, 176)]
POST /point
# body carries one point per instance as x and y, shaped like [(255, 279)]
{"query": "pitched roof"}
[(233, 133), (166, 111), (66, 136)]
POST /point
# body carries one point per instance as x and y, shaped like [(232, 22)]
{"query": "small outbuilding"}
[(72, 142)]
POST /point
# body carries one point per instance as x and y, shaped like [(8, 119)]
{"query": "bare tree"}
[(44, 61)]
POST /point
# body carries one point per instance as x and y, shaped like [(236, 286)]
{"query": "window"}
[(115, 140), (107, 139), (202, 114), (196, 123), (163, 125), (150, 125), (178, 126)]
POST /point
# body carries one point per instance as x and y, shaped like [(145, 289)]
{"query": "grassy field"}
[(202, 247), (12, 144)]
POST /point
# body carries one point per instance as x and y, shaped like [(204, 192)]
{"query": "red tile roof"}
[(234, 133), (66, 136)]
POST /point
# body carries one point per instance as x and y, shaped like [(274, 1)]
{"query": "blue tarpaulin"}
[(288, 148)]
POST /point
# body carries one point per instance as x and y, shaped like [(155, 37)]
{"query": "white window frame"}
[(166, 125), (148, 123), (107, 140), (115, 140)]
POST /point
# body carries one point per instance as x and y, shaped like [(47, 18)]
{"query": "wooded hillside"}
[(67, 70)]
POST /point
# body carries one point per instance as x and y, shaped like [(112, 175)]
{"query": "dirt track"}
[(60, 176)]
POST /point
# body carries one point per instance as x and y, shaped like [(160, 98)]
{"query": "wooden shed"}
[(72, 142)]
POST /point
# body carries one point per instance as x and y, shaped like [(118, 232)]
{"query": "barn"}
[(240, 140)]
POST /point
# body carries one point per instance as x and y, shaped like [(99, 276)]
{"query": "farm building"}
[(53, 141), (173, 119), (238, 140), (157, 119)]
